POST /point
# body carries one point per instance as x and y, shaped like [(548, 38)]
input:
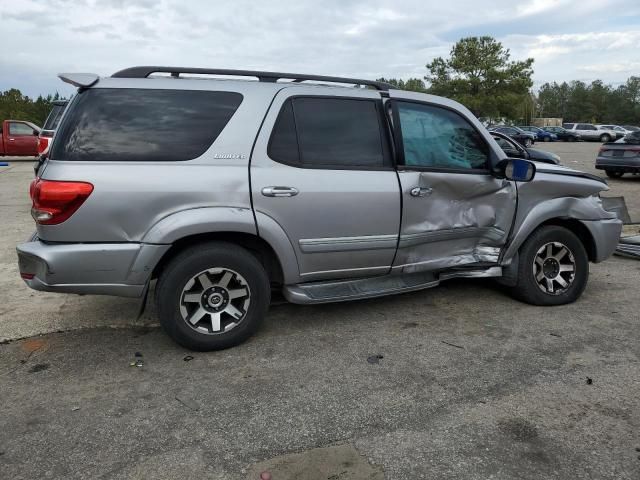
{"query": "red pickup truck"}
[(19, 139)]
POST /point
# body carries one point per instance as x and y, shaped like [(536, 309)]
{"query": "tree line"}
[(592, 103), (478, 73), (16, 106)]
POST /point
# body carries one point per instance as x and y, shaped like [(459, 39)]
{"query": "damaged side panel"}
[(553, 196), (462, 219)]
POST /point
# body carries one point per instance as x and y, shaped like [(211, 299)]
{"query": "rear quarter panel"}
[(130, 198)]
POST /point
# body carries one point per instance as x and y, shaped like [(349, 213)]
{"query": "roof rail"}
[(144, 72)]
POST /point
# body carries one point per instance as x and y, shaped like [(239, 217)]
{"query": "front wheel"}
[(553, 267), (212, 296), (528, 142)]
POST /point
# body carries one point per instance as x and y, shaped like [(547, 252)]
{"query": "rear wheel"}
[(605, 138), (614, 173), (212, 296), (553, 267)]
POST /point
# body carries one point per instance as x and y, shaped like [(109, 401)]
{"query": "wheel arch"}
[(259, 247)]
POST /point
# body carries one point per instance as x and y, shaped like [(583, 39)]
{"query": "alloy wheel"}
[(554, 268), (215, 301)]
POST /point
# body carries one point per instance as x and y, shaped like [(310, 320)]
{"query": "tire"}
[(212, 284), (546, 139), (605, 138), (614, 173), (528, 142), (528, 289), (571, 139)]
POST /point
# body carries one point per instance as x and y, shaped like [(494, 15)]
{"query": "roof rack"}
[(144, 72)]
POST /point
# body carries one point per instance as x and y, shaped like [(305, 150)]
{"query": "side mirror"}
[(35, 134), (516, 169)]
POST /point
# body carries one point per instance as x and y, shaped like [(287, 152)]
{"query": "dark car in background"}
[(620, 157), (541, 135), (514, 150), (50, 125), (631, 128), (564, 134), (524, 138)]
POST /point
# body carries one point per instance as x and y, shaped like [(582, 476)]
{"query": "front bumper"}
[(606, 235), (120, 269)]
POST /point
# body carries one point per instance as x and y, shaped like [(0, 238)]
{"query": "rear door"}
[(22, 140), (455, 213), (322, 170)]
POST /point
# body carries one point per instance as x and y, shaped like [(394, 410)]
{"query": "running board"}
[(371, 287)]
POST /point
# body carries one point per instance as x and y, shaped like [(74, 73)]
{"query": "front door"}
[(22, 140), (322, 170), (455, 213)]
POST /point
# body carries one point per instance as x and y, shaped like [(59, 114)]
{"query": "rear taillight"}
[(43, 143), (54, 202)]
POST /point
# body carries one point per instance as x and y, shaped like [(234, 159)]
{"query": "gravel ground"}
[(471, 383)]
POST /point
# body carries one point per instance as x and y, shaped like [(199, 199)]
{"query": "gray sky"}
[(583, 39)]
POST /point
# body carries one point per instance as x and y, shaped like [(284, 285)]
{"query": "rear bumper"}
[(629, 165), (606, 235), (120, 269)]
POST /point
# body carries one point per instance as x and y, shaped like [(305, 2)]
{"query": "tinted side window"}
[(437, 137), (143, 125), (328, 132), (585, 126), (20, 129), (283, 145)]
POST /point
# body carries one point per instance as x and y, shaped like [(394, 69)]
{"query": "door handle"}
[(279, 191), (421, 191), (12, 139)]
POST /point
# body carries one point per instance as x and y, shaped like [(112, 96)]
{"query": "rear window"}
[(106, 124), (54, 117)]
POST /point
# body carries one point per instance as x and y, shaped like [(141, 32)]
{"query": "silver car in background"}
[(589, 131), (226, 190)]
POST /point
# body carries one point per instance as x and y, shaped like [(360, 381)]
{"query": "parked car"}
[(564, 134), (50, 125), (513, 149), (617, 129), (224, 190), (631, 128), (525, 138), (620, 157), (588, 131), (18, 138), (541, 135)]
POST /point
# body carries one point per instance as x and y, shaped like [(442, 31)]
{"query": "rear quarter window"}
[(143, 125)]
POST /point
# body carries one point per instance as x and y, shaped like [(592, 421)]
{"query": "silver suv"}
[(226, 190), (588, 131)]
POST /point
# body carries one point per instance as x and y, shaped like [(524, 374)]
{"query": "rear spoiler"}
[(80, 80)]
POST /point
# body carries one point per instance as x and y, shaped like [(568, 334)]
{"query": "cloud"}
[(337, 37)]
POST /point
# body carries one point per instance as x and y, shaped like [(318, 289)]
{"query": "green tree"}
[(480, 75), (413, 84), (16, 106)]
